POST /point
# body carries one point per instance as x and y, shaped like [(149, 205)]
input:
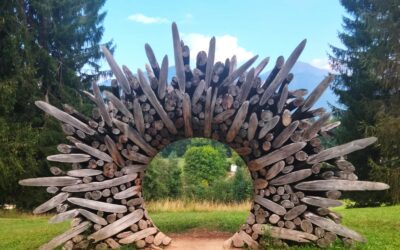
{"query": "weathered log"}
[(92, 217), (94, 152), (117, 226), (341, 150), (113, 150), (248, 240), (64, 117), (260, 67), (60, 181), (118, 104), (246, 87), (276, 156), (344, 185), (295, 212), (69, 158), (313, 130), (138, 115), (100, 185), (131, 169), (291, 177), (117, 71), (52, 203), (210, 62), (152, 60), (129, 192), (209, 110), (316, 93), (83, 172), (97, 205), (283, 233), (67, 235), (285, 135), (163, 78), (238, 72), (333, 227), (223, 116), (187, 115), (180, 70), (274, 170), (100, 104), (321, 202), (270, 205), (64, 216), (138, 235), (253, 122), (268, 126), (237, 122)]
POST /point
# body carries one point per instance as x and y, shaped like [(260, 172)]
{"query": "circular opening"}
[(199, 188)]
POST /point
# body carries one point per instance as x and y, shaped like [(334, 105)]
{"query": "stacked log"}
[(273, 128)]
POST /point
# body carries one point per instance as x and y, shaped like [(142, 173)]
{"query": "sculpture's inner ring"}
[(273, 128)]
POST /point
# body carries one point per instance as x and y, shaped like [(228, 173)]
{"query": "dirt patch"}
[(198, 239)]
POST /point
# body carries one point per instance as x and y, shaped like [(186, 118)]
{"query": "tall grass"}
[(170, 205)]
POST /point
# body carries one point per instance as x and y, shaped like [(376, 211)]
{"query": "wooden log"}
[(260, 183), (198, 92), (238, 72), (67, 235), (283, 233), (52, 203), (316, 93), (210, 62), (118, 104), (64, 117), (135, 137), (253, 122), (179, 67), (330, 126), (282, 74), (237, 122), (341, 150), (113, 150), (83, 172), (344, 185), (270, 205), (97, 205), (100, 104), (69, 158), (60, 181), (156, 103), (246, 87), (94, 152), (138, 235), (313, 130), (131, 169), (333, 227), (223, 116), (92, 217), (117, 226), (187, 116), (117, 71), (285, 135), (159, 238), (276, 156), (282, 99), (295, 212), (135, 156), (268, 127), (138, 115), (248, 240), (291, 177), (321, 202), (163, 78), (61, 217), (260, 67), (152, 60), (129, 192), (209, 110), (274, 170), (100, 185)]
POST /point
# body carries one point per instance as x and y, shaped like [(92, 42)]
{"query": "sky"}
[(244, 28)]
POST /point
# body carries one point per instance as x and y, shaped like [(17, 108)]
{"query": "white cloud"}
[(226, 46), (322, 63), (140, 18)]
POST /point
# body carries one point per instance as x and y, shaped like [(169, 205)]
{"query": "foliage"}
[(242, 185), (369, 91), (180, 147), (49, 50)]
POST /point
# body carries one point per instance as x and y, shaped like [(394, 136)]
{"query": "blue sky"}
[(244, 28)]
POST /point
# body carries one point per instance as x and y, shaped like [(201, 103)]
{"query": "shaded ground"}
[(198, 239)]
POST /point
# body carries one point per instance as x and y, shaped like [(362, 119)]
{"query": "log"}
[(187, 116), (223, 116), (100, 104), (84, 172), (285, 135), (129, 192), (69, 158), (134, 156), (260, 67), (283, 233), (237, 122), (291, 177), (152, 60), (238, 72), (209, 110), (131, 169), (100, 185), (282, 99), (341, 150), (316, 93), (270, 205), (246, 87), (333, 227), (276, 156), (313, 130), (138, 235), (67, 235), (253, 122), (92, 217), (274, 170), (97, 205), (268, 127), (210, 62), (113, 150), (118, 104), (94, 152), (138, 115), (117, 71), (60, 181), (64, 117), (260, 183), (61, 217), (295, 212), (321, 202), (162, 80), (344, 185), (282, 74), (52, 203), (179, 68), (117, 226), (248, 240)]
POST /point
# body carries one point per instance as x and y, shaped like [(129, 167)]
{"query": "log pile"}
[(273, 128)]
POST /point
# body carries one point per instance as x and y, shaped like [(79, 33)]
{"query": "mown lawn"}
[(381, 226)]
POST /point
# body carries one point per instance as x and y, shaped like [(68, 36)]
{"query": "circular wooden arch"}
[(274, 129)]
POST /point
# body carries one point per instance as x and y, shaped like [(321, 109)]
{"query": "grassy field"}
[(380, 226)]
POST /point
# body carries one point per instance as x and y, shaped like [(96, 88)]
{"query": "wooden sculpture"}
[(274, 129)]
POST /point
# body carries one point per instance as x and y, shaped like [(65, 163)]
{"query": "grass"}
[(168, 205), (379, 225)]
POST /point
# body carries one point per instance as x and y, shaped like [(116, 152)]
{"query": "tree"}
[(368, 88), (49, 50)]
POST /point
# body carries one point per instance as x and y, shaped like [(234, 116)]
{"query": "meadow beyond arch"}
[(273, 128)]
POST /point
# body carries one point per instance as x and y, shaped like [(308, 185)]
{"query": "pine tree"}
[(368, 88)]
